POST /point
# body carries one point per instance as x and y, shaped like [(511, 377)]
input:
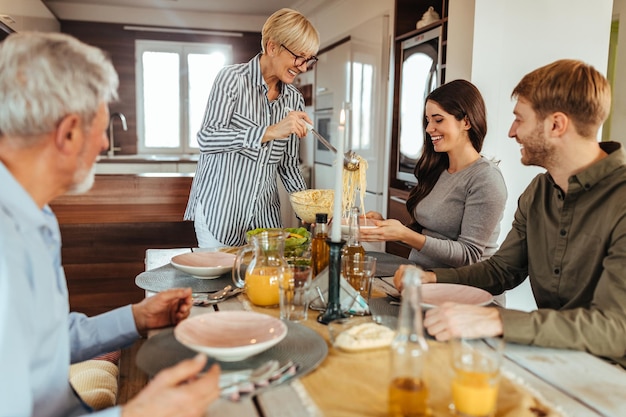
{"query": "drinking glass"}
[(476, 365), (359, 271), (293, 292)]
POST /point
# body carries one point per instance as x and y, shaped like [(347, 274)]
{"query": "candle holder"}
[(333, 308)]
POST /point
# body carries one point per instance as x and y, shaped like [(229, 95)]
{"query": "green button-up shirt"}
[(572, 246)]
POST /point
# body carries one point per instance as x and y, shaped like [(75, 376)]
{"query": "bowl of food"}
[(307, 203), (362, 333), (297, 240), (230, 336)]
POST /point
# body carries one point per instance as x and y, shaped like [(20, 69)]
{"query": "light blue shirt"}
[(39, 338)]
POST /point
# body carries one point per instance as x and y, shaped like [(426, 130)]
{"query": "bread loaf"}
[(366, 336)]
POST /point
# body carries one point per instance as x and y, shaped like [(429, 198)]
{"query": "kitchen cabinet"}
[(332, 76), (354, 72), (27, 15), (401, 180)]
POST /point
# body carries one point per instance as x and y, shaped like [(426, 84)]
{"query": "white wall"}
[(618, 115), (460, 39), (508, 39)]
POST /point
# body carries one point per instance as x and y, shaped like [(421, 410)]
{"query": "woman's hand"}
[(294, 123), (374, 215), (386, 230)]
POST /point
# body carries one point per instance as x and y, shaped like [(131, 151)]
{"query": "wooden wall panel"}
[(107, 231)]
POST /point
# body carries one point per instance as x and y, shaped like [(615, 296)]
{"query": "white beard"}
[(83, 181)]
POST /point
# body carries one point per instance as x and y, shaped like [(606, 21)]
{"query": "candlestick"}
[(333, 308), (335, 231)]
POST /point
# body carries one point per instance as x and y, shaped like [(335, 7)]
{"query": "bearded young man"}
[(569, 230)]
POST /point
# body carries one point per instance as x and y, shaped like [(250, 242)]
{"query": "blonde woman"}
[(249, 139)]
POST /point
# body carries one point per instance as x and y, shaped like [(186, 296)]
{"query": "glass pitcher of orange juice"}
[(265, 269)]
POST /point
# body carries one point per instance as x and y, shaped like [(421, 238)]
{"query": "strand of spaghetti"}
[(353, 182)]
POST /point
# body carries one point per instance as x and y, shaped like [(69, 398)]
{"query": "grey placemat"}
[(387, 264), (166, 277), (301, 345), (381, 307)]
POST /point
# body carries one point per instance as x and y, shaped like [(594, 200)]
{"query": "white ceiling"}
[(248, 7)]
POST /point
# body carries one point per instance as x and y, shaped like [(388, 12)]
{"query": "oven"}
[(327, 126)]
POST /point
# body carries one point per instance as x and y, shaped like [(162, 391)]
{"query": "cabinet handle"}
[(398, 199)]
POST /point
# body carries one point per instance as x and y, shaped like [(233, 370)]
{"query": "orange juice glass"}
[(475, 393), (476, 364)]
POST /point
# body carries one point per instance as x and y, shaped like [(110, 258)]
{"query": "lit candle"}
[(335, 231)]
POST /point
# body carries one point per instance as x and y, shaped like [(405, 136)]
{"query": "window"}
[(173, 84)]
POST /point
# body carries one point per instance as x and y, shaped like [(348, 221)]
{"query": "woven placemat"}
[(302, 345), (166, 277), (387, 264)]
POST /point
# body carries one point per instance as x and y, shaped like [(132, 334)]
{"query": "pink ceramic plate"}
[(230, 336), (204, 265), (435, 294)]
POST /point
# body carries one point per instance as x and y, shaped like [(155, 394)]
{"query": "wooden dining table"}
[(536, 382)]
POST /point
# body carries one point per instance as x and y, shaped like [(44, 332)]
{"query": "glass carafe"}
[(265, 269)]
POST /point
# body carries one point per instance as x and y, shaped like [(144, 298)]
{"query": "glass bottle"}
[(408, 392), (353, 245), (320, 250)]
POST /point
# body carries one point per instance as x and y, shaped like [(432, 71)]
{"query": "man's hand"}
[(166, 308), (428, 277), (451, 320), (177, 391)]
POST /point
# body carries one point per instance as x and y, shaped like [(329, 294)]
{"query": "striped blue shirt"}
[(236, 176)]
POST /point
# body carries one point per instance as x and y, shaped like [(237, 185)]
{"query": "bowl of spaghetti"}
[(307, 203)]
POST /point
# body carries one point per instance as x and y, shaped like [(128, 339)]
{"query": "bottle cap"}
[(321, 218)]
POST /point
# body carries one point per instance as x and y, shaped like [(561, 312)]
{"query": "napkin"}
[(238, 383), (349, 298)]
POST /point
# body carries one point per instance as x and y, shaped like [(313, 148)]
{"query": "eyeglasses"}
[(299, 60)]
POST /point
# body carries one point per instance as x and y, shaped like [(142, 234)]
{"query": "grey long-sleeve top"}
[(236, 176), (572, 246), (461, 216)]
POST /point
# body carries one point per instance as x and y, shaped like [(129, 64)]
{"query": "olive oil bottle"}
[(320, 251)]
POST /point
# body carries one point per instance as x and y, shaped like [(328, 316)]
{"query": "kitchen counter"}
[(107, 230), (137, 164), (132, 159)]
